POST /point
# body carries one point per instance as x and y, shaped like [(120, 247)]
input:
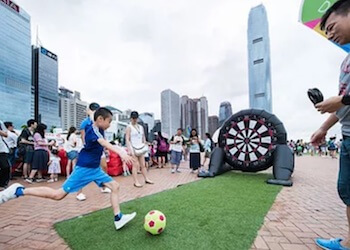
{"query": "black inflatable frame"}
[(253, 140)]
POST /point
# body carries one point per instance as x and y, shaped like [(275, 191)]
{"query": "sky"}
[(124, 53)]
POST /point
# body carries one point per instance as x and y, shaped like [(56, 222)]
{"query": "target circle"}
[(249, 139)]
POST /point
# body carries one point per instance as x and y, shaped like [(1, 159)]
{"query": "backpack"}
[(163, 147)]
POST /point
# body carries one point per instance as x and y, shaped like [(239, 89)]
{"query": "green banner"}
[(314, 9)]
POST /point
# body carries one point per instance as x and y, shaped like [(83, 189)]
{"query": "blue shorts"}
[(176, 157), (72, 155), (83, 176)]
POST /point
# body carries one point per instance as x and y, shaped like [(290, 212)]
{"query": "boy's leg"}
[(114, 187), (102, 179), (119, 219), (46, 192), (17, 190)]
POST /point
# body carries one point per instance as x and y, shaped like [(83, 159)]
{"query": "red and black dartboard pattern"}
[(249, 139)]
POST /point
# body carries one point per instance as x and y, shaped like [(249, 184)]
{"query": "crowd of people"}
[(32, 155), (329, 147)]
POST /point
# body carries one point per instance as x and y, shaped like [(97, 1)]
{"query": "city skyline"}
[(190, 49)]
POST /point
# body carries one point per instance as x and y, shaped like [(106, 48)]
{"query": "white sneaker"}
[(51, 180), (81, 197), (106, 190), (173, 171), (125, 219), (9, 193), (178, 171), (29, 180)]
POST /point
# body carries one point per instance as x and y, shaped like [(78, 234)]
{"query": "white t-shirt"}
[(11, 139), (177, 146), (72, 143), (3, 146), (136, 135)]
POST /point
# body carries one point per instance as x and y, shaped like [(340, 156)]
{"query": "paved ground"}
[(310, 209), (27, 223), (298, 215)]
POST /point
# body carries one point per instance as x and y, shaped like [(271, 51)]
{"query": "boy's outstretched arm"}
[(125, 157)]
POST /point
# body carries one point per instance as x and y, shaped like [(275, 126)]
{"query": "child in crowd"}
[(54, 165)]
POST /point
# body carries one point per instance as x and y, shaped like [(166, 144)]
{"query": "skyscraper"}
[(45, 83), (72, 110), (194, 114), (259, 60), (187, 118), (225, 111), (213, 124), (15, 64), (170, 111), (147, 118), (202, 116)]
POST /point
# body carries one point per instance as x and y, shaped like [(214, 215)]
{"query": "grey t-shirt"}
[(344, 89), (3, 146)]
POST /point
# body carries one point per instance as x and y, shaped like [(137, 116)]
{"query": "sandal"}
[(149, 182), (138, 186)]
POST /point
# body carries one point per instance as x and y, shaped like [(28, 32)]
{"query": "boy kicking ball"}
[(87, 170)]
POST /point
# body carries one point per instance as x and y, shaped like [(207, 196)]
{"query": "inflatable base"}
[(286, 183)]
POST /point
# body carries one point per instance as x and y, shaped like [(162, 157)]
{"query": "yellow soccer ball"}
[(155, 222)]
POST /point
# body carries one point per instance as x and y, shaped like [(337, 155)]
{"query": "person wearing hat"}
[(137, 148)]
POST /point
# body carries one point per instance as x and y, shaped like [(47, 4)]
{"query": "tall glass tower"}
[(170, 112), (45, 83), (259, 59), (225, 112), (15, 64)]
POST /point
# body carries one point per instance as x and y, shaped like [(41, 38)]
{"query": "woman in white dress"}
[(137, 148)]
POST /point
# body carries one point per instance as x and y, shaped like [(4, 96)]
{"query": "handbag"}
[(141, 151)]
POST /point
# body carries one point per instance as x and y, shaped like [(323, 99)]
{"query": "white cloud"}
[(124, 53)]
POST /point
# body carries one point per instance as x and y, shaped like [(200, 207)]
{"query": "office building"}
[(259, 68), (16, 100)]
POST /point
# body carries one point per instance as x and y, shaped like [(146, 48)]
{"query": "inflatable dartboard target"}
[(249, 139)]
